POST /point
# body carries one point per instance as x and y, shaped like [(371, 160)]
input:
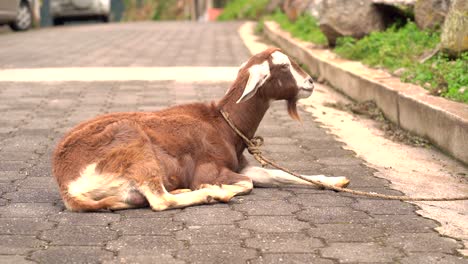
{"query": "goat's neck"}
[(246, 116)]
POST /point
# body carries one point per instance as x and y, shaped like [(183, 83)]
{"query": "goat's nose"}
[(310, 83)]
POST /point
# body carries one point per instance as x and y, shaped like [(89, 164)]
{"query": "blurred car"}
[(17, 14), (62, 11)]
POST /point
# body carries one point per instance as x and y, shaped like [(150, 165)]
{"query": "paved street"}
[(286, 225)]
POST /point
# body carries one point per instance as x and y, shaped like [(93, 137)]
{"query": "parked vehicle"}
[(68, 10), (17, 14)]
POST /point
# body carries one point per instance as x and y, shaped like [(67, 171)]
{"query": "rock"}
[(273, 5), (315, 8), (399, 72), (430, 13), (454, 38), (395, 2), (349, 18), (295, 8)]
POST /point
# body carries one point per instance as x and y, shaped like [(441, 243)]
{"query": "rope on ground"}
[(253, 146)]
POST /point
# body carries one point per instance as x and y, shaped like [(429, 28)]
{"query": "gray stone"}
[(325, 215), (430, 13), (79, 235), (360, 252), (6, 187), (433, 258), (349, 18), (284, 242), (23, 226), (148, 213), (213, 234), (346, 232), (73, 254), (401, 223), (14, 259), (291, 259), (453, 38), (18, 245), (38, 183), (423, 242), (208, 215), (33, 196), (145, 245), (28, 210), (274, 224), (18, 155), (146, 257), (265, 194), (85, 219), (215, 254), (39, 171), (151, 226), (15, 166), (276, 207), (386, 207), (323, 199)]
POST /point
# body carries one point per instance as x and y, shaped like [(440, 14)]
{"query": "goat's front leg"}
[(266, 178)]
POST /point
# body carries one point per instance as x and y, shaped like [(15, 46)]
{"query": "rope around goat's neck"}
[(253, 146)]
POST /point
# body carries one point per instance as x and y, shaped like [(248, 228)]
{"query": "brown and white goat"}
[(184, 155)]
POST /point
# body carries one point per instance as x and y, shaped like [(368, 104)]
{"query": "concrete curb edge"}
[(443, 122)]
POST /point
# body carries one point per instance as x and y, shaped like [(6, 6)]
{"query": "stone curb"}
[(443, 122)]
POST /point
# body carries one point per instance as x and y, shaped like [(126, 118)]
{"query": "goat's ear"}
[(258, 74)]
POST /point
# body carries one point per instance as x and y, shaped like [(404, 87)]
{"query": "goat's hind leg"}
[(164, 200), (232, 182), (159, 199)]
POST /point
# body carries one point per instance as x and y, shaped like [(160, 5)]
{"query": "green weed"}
[(305, 27), (243, 9), (402, 48)]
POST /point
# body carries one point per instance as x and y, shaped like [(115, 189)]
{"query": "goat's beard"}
[(292, 109)]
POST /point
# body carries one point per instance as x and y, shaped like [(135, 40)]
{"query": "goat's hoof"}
[(343, 182), (227, 197)]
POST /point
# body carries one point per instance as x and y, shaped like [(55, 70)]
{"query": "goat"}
[(184, 155)]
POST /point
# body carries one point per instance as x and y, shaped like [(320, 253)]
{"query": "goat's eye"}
[(285, 67)]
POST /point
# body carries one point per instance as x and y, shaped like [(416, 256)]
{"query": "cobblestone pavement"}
[(133, 44), (286, 225)]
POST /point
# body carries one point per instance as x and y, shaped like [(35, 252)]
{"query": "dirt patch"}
[(370, 110)]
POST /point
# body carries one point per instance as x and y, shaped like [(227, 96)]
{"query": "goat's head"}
[(275, 76)]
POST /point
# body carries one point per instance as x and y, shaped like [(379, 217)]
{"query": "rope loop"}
[(253, 146)]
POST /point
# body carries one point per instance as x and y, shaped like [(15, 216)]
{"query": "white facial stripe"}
[(279, 58)]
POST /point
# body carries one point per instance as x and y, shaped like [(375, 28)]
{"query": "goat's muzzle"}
[(306, 89)]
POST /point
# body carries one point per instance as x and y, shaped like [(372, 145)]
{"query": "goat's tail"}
[(82, 203)]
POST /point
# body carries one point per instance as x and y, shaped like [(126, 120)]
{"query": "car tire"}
[(105, 19), (58, 21), (24, 18)]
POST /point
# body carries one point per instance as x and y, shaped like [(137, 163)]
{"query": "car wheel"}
[(105, 19), (58, 21), (23, 18)]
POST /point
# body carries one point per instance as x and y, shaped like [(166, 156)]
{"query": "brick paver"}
[(286, 225), (120, 45)]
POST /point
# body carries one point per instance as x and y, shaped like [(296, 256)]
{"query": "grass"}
[(401, 48), (305, 27), (243, 9)]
